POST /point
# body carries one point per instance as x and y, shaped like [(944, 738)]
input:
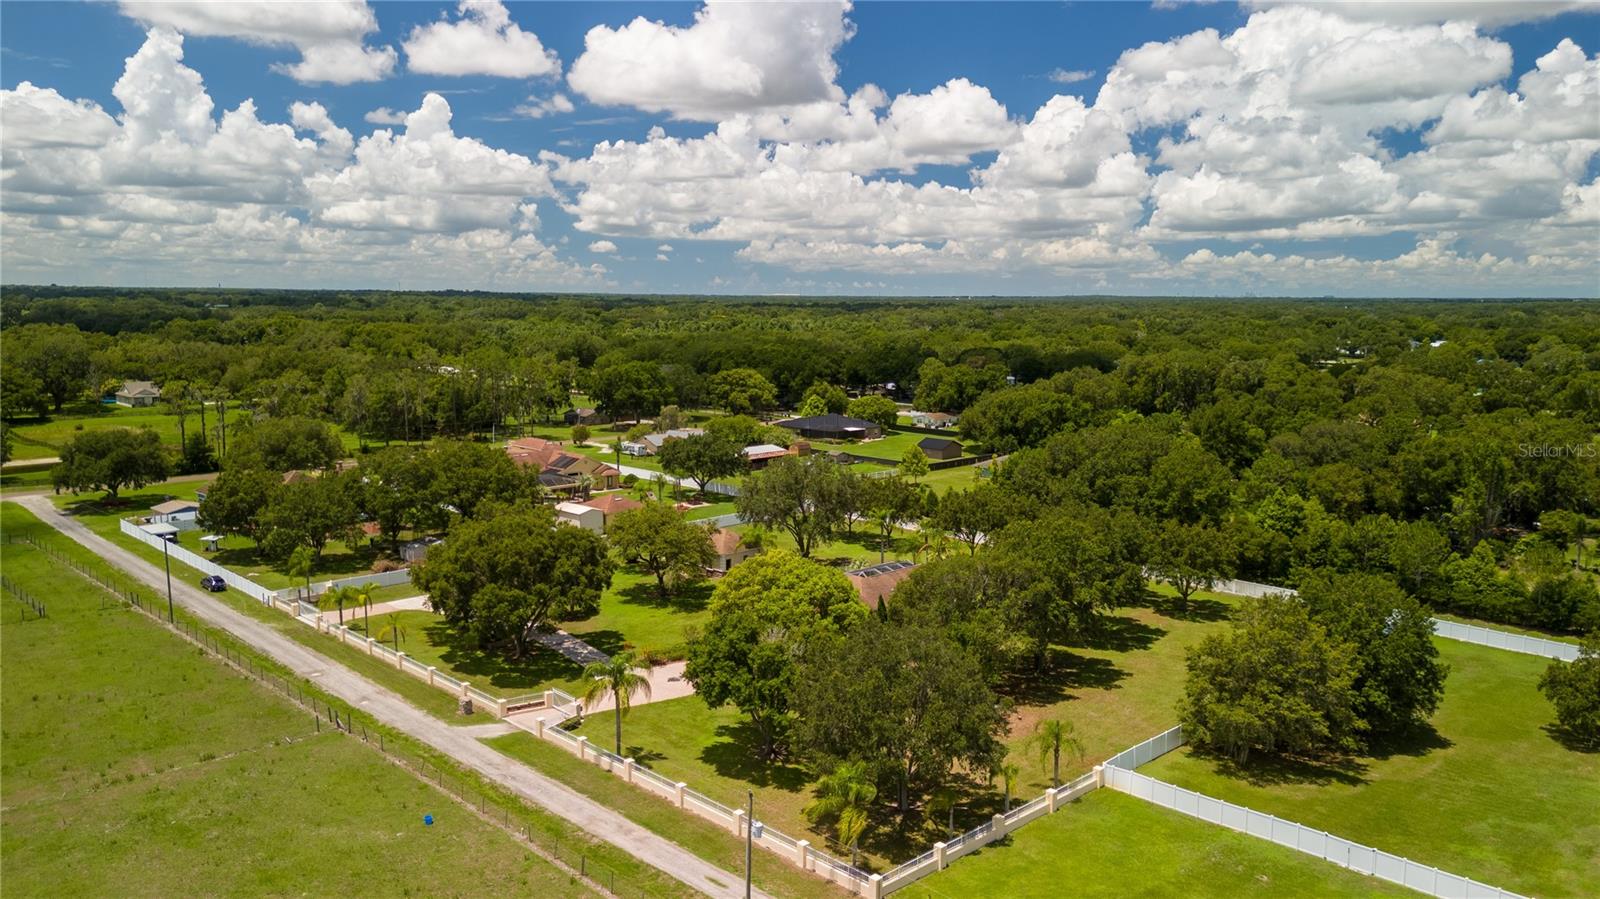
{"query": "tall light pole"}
[(167, 558), (749, 838)]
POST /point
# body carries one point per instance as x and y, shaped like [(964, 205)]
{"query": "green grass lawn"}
[(45, 438), (1486, 792), (854, 549), (709, 841), (429, 639), (715, 751), (1112, 845), (710, 510), (1118, 688), (889, 448), (634, 616), (944, 480), (132, 759)]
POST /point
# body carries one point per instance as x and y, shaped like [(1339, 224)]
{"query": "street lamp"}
[(167, 558), (749, 838)]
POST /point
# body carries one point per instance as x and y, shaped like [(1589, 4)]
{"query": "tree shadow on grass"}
[(897, 837), (1571, 741), (1198, 609), (607, 641), (682, 598), (1266, 771), (1067, 672), (737, 754), (495, 666), (1416, 741), (1121, 633)]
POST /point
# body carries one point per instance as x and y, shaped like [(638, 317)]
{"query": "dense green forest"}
[(1423, 439)]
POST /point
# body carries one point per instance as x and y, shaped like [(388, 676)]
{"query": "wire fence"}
[(28, 600), (495, 806)]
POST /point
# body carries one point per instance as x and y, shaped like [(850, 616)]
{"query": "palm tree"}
[(618, 678), (337, 597), (1008, 776), (1050, 737), (944, 799), (393, 631), (845, 796), (363, 595), (300, 563)]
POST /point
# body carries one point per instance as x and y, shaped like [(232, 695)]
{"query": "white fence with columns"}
[(1120, 776)]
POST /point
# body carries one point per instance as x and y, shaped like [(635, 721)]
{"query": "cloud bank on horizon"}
[(1345, 148)]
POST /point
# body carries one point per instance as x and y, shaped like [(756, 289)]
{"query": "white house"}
[(934, 419), (174, 510), (579, 515), (650, 444)]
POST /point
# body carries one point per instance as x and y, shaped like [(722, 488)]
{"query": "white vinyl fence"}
[(200, 563), (381, 579), (1119, 775), (1487, 636), (1450, 630)]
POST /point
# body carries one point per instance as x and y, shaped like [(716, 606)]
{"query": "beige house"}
[(138, 394), (730, 549)]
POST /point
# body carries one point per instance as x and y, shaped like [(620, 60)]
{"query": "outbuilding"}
[(939, 448), (833, 426)]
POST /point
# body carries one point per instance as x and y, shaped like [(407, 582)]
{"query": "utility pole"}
[(167, 558), (749, 838)]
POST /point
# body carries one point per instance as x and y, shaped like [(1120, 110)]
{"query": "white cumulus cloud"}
[(329, 34), (736, 57), (481, 40), (602, 246)]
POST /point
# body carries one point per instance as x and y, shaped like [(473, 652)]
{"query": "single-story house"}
[(833, 426), (730, 549), (174, 507), (549, 458), (138, 393), (762, 453), (939, 448), (609, 505), (875, 583), (584, 416), (579, 515), (636, 448), (935, 419), (658, 440), (601, 476)]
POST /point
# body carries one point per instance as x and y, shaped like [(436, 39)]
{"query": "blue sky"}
[(1243, 150)]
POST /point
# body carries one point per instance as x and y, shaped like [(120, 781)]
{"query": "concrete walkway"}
[(409, 604), (666, 682), (457, 742)]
